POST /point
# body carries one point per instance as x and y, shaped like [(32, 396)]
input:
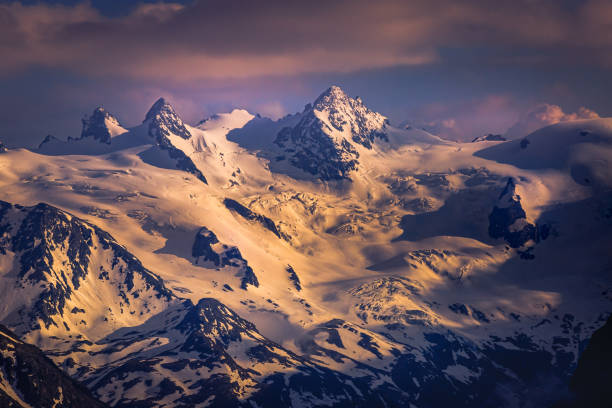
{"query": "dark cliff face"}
[(250, 215), (207, 248), (163, 121), (508, 219), (590, 383), (96, 126), (35, 380), (325, 148)]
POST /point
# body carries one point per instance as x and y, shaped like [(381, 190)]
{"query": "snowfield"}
[(326, 259)]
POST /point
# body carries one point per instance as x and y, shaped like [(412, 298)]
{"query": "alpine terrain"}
[(325, 259)]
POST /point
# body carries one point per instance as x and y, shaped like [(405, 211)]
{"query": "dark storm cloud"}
[(238, 39)]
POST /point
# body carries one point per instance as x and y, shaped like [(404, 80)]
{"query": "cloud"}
[(217, 39), (543, 115), (463, 120)]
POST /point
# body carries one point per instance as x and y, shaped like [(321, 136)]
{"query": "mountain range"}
[(323, 259)]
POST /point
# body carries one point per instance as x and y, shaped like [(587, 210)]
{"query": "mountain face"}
[(443, 274), (589, 383), (163, 121), (163, 125), (28, 378), (100, 126), (3, 148), (67, 275), (324, 142), (99, 135), (249, 215), (208, 249), (508, 219)]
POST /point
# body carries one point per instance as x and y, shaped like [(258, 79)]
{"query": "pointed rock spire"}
[(163, 120), (324, 142), (99, 125), (508, 219)]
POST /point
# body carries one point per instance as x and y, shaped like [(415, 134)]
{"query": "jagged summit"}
[(101, 126), (164, 123), (3, 148), (51, 284), (363, 124), (331, 95), (326, 140), (160, 105), (163, 120)]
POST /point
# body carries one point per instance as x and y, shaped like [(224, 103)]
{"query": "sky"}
[(458, 68)]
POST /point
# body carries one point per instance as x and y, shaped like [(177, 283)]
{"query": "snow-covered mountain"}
[(325, 141), (64, 275), (324, 259), (329, 140), (101, 126)]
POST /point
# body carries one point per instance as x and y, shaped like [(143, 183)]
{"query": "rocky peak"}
[(56, 252), (3, 148), (508, 219), (325, 141), (212, 317), (163, 120), (346, 114), (99, 125)]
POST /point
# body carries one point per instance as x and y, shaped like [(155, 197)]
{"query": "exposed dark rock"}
[(591, 380), (96, 126), (42, 230), (293, 277), (202, 246), (489, 138), (163, 121), (310, 146), (508, 220), (207, 248), (35, 379), (247, 214)]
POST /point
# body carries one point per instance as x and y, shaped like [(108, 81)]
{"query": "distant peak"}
[(160, 105), (3, 148), (163, 120), (335, 89), (331, 96), (237, 118), (98, 125)]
